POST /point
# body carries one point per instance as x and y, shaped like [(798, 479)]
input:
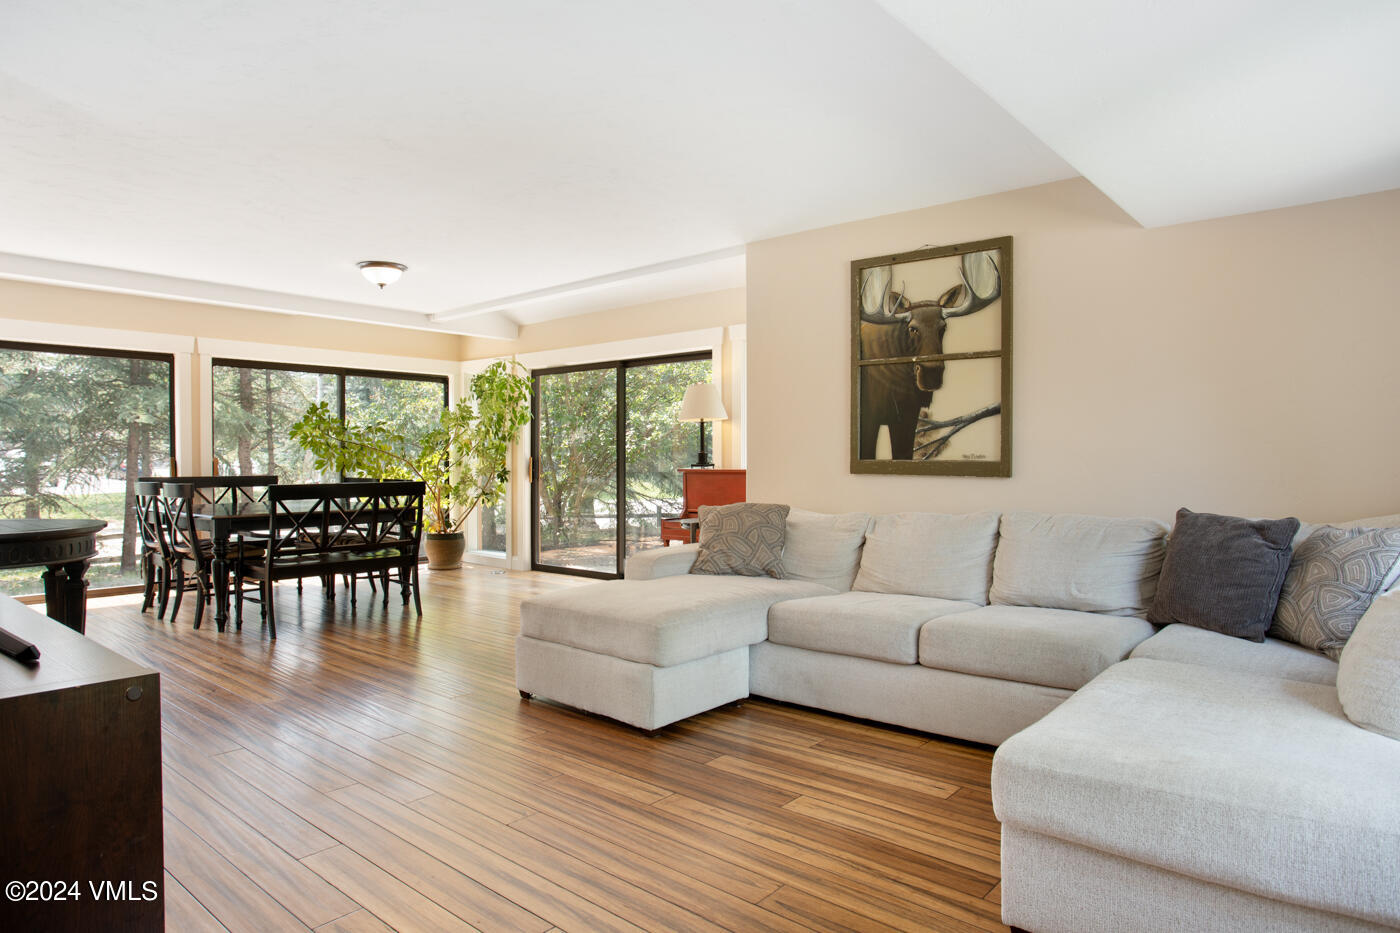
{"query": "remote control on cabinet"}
[(18, 648)]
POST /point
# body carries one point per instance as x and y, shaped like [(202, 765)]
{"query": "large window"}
[(255, 405), (598, 430), (77, 427)]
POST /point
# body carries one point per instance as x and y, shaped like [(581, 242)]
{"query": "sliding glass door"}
[(576, 464), (658, 445), (606, 435)]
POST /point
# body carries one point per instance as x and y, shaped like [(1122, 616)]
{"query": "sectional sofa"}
[(1148, 778)]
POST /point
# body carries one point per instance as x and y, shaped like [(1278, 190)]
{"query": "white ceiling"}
[(1191, 109), (249, 153), (496, 148)]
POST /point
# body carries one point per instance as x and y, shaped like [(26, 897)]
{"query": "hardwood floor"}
[(370, 772)]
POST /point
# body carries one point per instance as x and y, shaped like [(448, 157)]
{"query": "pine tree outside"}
[(77, 427)]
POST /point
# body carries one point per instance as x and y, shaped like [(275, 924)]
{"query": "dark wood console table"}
[(81, 783), (65, 547)]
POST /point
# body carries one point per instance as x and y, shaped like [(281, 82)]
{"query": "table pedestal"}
[(65, 547), (65, 594)]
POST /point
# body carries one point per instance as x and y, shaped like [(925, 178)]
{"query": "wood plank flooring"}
[(370, 772)]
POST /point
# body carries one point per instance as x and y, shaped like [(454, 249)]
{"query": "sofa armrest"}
[(661, 562)]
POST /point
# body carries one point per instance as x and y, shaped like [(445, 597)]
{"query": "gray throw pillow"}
[(745, 538), (1223, 573), (1335, 574)]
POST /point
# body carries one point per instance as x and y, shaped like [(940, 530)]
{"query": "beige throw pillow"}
[(745, 538)]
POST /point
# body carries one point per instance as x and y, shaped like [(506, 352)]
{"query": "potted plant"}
[(463, 460)]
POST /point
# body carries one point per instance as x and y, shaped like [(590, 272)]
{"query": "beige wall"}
[(1243, 365), (325, 339), (59, 305), (692, 312)]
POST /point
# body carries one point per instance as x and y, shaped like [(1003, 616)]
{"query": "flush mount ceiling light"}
[(382, 273)]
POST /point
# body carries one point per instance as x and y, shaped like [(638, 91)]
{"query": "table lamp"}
[(702, 403)]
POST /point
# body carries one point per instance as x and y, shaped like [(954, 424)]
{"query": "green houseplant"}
[(463, 460)]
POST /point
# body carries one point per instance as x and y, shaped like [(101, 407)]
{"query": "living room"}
[(1199, 203)]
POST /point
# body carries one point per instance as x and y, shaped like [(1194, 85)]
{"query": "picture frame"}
[(931, 361)]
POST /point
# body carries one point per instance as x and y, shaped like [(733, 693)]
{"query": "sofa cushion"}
[(1241, 780), (1368, 677), (880, 626), (929, 554), (1085, 562), (1331, 580), (650, 563), (1050, 647), (1272, 657), (663, 622), (744, 538), (1223, 573), (824, 549)]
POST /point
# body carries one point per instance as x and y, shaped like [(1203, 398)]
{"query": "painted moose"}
[(893, 327)]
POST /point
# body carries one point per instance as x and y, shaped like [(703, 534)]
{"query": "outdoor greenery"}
[(658, 445), (578, 458), (75, 432), (462, 460), (411, 407), (253, 410)]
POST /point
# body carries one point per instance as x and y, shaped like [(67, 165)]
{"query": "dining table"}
[(220, 521)]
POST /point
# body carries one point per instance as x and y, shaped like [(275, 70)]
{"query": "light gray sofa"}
[(1172, 779), (915, 643)]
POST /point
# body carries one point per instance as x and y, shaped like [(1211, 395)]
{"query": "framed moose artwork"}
[(931, 361)]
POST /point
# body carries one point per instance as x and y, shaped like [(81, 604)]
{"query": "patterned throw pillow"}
[(1334, 575), (745, 538)]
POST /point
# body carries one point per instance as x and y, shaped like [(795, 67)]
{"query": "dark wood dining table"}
[(220, 521), (64, 547)]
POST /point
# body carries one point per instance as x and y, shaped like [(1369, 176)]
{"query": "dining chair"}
[(329, 529), (155, 562), (236, 491), (190, 557)]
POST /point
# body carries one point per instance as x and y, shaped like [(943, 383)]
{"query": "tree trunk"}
[(145, 461), (245, 437), (132, 468), (271, 437), (31, 494)]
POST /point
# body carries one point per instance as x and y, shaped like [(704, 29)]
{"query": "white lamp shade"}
[(702, 403)]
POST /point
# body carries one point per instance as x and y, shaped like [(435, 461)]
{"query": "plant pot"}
[(445, 551)]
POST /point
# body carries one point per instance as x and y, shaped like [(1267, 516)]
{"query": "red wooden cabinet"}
[(703, 487)]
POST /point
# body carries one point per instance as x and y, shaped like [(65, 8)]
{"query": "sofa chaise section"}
[(1291, 817), (648, 652)]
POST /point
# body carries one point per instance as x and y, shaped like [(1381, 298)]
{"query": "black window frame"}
[(109, 353), (620, 367), (342, 372)]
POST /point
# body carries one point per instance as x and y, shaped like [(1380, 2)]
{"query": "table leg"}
[(65, 594), (220, 573)]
